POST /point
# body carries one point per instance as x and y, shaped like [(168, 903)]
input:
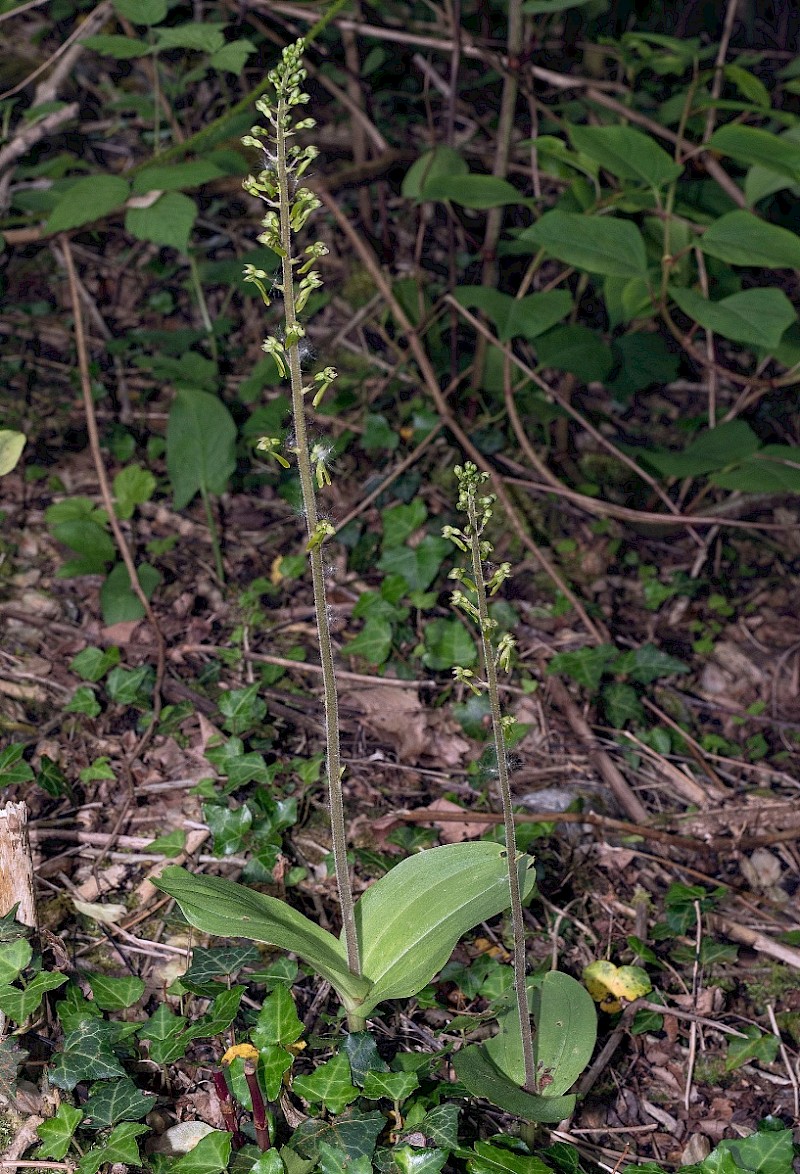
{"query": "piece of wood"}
[(16, 864)]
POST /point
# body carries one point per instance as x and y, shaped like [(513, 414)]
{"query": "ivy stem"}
[(334, 767), (517, 919)]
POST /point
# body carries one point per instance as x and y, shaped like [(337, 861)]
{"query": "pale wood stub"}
[(16, 864)]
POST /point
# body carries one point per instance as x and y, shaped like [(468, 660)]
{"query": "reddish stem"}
[(228, 1110), (259, 1108)]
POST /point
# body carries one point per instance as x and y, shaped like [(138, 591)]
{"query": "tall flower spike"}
[(289, 207)]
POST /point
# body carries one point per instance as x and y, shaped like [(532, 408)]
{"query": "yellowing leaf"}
[(612, 986), (246, 1051)]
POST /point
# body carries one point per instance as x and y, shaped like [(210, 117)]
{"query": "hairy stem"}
[(334, 767)]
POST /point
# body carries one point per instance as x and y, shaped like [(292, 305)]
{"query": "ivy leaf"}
[(116, 1100), (756, 1046), (19, 1005), (11, 446), (330, 1084), (362, 1052), (586, 666), (275, 1061), (218, 962), (373, 642), (242, 708), (115, 994), (56, 1133), (419, 565), (211, 1155), (647, 664), (92, 664), (86, 1054), (448, 643), (12, 1057), (121, 1146), (356, 1133), (334, 1160), (412, 1160), (400, 522), (13, 770), (278, 1022), (393, 1086)]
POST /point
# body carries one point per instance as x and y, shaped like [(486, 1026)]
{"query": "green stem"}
[(336, 803), (517, 919)]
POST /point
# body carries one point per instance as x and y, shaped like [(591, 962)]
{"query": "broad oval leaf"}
[(483, 1078), (714, 449), (201, 445), (775, 469), (409, 921), (566, 1032), (221, 907), (756, 317), (610, 986), (748, 145), (168, 221), (472, 191), (89, 198), (761, 182), (517, 317), (740, 238), (441, 161), (626, 153), (598, 244)]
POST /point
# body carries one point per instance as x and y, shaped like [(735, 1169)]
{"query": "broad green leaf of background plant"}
[(418, 565), (516, 317), (201, 445), (230, 910), (409, 920), (773, 469), (740, 238), (116, 46), (714, 449), (441, 161), (756, 1046), (111, 1101), (88, 199), (585, 665), (598, 244), (141, 11), (170, 177), (473, 191), (167, 221), (11, 446), (576, 349), (544, 7), (761, 182), (497, 1159), (120, 1147), (748, 145), (756, 317), (566, 1031), (626, 153)]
